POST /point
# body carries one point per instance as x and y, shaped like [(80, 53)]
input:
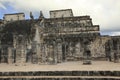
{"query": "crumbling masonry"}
[(62, 37)]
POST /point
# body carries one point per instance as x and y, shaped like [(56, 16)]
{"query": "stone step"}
[(62, 73), (59, 78)]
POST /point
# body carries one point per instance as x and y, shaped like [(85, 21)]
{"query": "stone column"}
[(45, 53), (77, 51), (87, 52), (81, 50), (10, 56), (23, 55), (20, 50), (14, 40), (65, 51), (55, 52), (70, 55), (59, 50), (50, 54), (36, 57), (70, 50), (39, 52), (42, 55), (20, 55)]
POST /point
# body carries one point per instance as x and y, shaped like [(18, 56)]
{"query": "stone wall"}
[(14, 17), (61, 13), (97, 47), (61, 37)]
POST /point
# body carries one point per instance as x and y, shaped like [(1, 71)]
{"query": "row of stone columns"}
[(112, 50), (74, 50), (17, 56), (46, 53), (54, 52)]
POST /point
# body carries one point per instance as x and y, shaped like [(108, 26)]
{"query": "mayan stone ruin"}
[(50, 41)]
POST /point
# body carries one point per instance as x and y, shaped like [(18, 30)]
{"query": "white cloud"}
[(115, 33), (106, 13), (2, 6)]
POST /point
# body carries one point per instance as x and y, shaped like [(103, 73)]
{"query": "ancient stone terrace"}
[(99, 70), (29, 48)]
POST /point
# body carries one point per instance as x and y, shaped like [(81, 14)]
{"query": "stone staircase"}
[(61, 75)]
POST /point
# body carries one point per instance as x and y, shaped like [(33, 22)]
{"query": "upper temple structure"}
[(62, 37)]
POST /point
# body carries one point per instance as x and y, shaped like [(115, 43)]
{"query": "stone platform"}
[(65, 66), (99, 70)]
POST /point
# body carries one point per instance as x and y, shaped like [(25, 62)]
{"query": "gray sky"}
[(106, 13)]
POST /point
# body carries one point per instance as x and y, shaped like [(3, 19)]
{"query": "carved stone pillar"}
[(81, 50), (64, 51), (39, 52), (70, 55), (20, 50), (45, 53), (20, 55), (87, 52), (59, 50), (42, 54), (10, 56), (36, 54), (55, 52), (14, 41), (50, 54), (23, 55), (70, 50), (77, 51)]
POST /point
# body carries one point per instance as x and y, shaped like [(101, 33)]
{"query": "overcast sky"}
[(105, 13)]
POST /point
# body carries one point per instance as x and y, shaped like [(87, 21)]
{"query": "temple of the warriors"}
[(62, 47), (62, 37)]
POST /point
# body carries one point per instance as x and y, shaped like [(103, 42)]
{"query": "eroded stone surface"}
[(63, 37)]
